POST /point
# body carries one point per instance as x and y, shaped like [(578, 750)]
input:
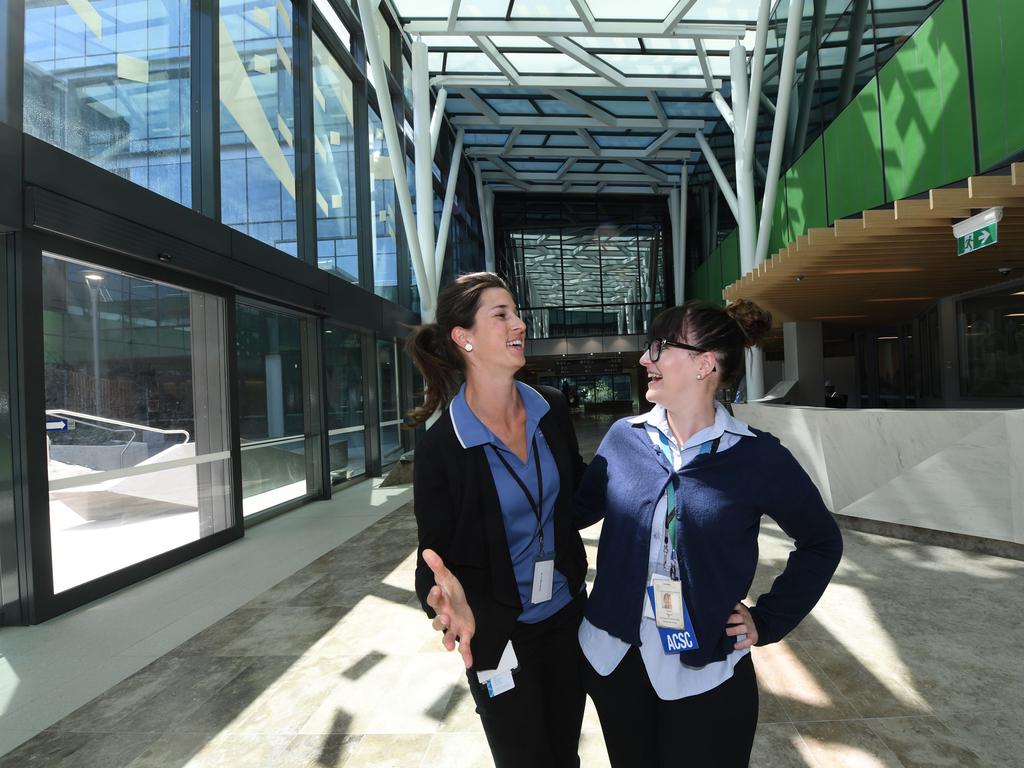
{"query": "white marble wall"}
[(955, 471)]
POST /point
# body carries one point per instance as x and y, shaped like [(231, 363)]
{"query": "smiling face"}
[(497, 334), (672, 380)]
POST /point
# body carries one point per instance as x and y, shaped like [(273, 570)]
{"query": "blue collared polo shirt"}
[(520, 521)]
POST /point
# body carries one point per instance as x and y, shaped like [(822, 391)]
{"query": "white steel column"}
[(481, 201), (673, 217), (489, 217), (744, 177), (446, 211), (436, 120), (680, 266), (716, 170), (755, 357), (424, 159), (396, 157)]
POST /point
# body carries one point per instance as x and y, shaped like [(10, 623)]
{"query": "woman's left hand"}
[(740, 622)]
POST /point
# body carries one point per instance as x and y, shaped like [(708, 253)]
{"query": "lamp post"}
[(93, 280)]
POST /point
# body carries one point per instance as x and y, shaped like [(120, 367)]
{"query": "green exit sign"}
[(977, 232), (977, 239)]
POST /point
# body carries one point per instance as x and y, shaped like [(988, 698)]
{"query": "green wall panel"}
[(780, 220), (715, 276), (853, 156), (998, 77), (926, 117), (805, 192)]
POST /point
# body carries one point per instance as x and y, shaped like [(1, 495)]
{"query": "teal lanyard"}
[(672, 511)]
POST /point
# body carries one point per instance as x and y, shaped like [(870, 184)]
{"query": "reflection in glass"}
[(383, 207), (343, 377), (390, 418), (991, 331), (600, 273), (337, 248), (109, 82), (257, 121), (137, 426), (271, 408)]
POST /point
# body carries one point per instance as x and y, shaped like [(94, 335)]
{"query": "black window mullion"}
[(205, 107), (305, 177)]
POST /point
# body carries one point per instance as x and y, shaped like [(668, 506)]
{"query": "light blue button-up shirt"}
[(520, 520), (670, 679)]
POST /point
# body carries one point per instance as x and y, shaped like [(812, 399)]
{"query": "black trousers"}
[(537, 723), (714, 729)]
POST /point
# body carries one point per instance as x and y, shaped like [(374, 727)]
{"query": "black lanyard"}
[(535, 505)]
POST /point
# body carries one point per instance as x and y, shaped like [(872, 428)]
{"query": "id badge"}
[(668, 603), (673, 640), (543, 576)]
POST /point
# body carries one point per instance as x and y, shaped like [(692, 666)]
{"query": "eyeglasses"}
[(657, 345)]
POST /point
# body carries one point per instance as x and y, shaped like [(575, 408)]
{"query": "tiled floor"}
[(912, 658)]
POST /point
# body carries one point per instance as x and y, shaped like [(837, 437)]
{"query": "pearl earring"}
[(468, 347), (700, 376)]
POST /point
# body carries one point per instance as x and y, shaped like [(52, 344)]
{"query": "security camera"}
[(1004, 271)]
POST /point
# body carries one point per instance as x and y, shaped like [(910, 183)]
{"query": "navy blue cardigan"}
[(724, 496)]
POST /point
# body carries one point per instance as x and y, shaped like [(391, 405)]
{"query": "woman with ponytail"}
[(682, 489), (501, 565)]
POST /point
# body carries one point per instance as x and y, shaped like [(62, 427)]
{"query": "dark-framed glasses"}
[(656, 345)]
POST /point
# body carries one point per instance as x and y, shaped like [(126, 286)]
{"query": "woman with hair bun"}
[(682, 489), (501, 565)]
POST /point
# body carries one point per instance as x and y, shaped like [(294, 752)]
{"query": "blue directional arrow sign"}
[(56, 425)]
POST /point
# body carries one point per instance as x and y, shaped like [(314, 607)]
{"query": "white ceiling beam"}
[(584, 106), (575, 82), (580, 153), (586, 58), (488, 115), (583, 11), (659, 110), (567, 122), (506, 173), (643, 167), (705, 66), (538, 176), (453, 14), (566, 167), (588, 140), (659, 142), (510, 142), (502, 63), (540, 27), (676, 14), (724, 109)]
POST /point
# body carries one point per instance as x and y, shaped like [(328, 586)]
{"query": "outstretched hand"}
[(740, 622), (454, 616)]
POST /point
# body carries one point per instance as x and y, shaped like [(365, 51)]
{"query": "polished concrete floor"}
[(912, 658)]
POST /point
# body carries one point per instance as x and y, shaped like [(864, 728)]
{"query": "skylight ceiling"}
[(625, 85)]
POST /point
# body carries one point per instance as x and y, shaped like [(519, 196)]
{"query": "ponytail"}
[(435, 355)]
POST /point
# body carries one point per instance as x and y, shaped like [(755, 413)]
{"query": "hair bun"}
[(755, 322)]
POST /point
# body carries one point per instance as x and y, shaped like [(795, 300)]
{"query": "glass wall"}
[(271, 408), (109, 82), (582, 268), (991, 341), (136, 418), (336, 226), (388, 398), (257, 121), (592, 389), (343, 379), (383, 214)]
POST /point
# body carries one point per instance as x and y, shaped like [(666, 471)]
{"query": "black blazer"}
[(459, 517)]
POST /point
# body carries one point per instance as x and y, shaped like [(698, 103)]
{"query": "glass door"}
[(137, 431), (388, 398), (276, 379)]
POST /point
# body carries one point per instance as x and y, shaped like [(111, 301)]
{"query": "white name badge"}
[(668, 603), (543, 576), (500, 679)]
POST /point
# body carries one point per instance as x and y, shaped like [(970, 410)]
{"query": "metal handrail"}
[(89, 417)]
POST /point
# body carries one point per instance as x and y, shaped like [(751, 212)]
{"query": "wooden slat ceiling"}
[(886, 265)]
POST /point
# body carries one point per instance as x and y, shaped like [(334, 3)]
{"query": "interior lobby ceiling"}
[(588, 96)]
